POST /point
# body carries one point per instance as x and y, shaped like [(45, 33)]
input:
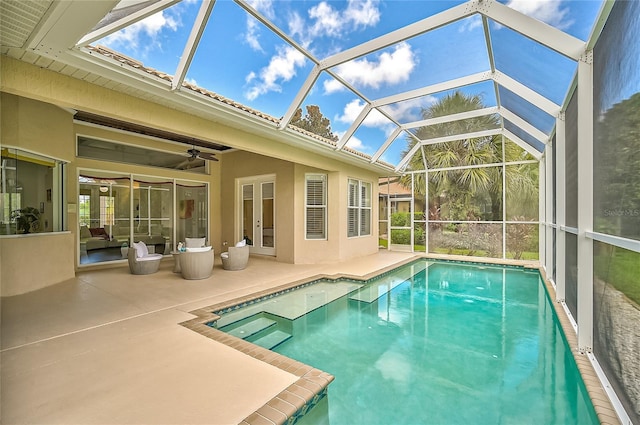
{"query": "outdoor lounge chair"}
[(235, 258), (140, 261), (196, 263)]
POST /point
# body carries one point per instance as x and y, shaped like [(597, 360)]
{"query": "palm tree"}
[(464, 184), (482, 185)]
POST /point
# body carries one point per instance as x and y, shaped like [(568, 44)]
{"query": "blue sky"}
[(243, 60)]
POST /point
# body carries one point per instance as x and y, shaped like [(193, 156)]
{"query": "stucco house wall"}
[(37, 108)]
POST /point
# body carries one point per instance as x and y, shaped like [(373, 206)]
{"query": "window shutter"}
[(359, 208), (247, 192), (316, 206), (267, 190)]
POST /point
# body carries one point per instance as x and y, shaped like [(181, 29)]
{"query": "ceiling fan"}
[(196, 153)]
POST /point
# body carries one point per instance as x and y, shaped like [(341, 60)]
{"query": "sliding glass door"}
[(192, 202), (153, 214), (115, 210)]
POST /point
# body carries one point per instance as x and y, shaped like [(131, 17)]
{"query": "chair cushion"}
[(200, 249), (241, 243), (224, 255), (194, 242), (141, 249), (150, 257)]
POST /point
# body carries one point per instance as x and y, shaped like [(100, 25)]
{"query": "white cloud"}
[(296, 24), (374, 118), (326, 21), (281, 68), (332, 86), (390, 68), (550, 11), (377, 120), (252, 36), (191, 81), (263, 6), (410, 110), (150, 26), (353, 142), (471, 23), (363, 13), (351, 111)]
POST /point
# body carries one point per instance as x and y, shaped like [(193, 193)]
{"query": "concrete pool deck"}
[(107, 347)]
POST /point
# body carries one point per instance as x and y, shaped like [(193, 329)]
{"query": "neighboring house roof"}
[(393, 189)]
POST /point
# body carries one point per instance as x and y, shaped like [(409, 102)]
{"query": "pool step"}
[(272, 339), (252, 327)]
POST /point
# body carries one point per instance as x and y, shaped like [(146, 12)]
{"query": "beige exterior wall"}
[(240, 164), (35, 261), (37, 115), (45, 129), (337, 246)]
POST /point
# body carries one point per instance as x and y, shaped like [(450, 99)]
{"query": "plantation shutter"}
[(352, 210), (365, 208), (316, 206), (359, 208)]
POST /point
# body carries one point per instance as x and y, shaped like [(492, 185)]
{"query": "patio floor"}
[(106, 347)]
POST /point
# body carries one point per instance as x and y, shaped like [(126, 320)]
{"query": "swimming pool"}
[(431, 342)]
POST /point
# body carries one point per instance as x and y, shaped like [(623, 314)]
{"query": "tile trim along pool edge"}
[(311, 387)]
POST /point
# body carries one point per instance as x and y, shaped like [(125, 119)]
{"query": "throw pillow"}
[(141, 249), (99, 232), (194, 242)]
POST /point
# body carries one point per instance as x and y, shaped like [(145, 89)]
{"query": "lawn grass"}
[(464, 252), (620, 268)]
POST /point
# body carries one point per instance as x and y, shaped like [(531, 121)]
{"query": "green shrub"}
[(401, 237), (400, 219)]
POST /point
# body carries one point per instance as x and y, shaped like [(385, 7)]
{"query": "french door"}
[(256, 213)]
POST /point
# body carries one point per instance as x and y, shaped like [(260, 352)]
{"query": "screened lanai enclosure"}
[(503, 129)]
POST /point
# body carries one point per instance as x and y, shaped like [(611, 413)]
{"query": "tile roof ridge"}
[(103, 50)]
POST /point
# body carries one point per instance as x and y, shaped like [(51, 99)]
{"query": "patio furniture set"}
[(193, 261)]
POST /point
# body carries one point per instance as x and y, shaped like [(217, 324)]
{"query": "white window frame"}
[(313, 205), (358, 206), (84, 214)]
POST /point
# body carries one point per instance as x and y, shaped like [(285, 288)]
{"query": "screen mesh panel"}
[(571, 162), (616, 296)]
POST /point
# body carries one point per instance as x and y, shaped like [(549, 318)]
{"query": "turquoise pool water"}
[(432, 343)]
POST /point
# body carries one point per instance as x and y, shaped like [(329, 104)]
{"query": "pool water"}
[(434, 343)]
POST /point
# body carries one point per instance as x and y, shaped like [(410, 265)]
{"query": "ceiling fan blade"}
[(208, 156), (183, 164)]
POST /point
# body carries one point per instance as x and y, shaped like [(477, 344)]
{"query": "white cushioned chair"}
[(140, 261), (236, 257), (196, 263)]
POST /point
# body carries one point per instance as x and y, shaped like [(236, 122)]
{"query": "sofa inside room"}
[(156, 237)]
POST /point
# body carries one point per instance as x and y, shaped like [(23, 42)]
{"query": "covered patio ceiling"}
[(372, 67)]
